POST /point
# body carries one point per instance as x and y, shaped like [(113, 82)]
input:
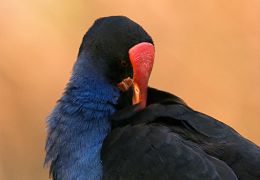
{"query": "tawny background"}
[(207, 52)]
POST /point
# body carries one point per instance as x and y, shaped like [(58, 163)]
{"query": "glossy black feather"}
[(169, 140)]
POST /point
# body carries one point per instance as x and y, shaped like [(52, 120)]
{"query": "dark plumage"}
[(165, 140), (169, 140)]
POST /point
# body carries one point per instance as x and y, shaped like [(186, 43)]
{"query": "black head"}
[(108, 42)]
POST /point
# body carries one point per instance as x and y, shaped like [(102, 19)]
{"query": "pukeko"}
[(110, 125)]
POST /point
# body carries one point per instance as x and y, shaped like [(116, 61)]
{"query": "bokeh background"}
[(207, 52)]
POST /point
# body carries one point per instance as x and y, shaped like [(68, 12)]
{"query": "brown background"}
[(207, 52)]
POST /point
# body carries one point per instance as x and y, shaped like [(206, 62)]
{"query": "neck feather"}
[(78, 125)]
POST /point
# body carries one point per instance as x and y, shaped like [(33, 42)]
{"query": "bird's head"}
[(122, 52)]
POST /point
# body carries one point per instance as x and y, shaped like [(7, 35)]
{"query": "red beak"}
[(142, 58)]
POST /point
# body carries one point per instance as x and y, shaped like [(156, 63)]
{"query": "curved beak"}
[(142, 58)]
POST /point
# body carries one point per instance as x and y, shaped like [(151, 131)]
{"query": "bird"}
[(109, 124)]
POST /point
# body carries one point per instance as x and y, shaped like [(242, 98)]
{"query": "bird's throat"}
[(77, 127)]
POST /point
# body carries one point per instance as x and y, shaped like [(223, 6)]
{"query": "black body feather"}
[(169, 140)]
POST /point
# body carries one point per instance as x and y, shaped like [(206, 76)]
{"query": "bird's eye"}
[(124, 63)]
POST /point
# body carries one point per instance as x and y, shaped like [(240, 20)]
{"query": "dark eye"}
[(124, 63)]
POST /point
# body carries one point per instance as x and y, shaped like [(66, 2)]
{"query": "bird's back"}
[(169, 140)]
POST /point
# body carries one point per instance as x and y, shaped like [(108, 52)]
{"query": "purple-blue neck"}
[(79, 123)]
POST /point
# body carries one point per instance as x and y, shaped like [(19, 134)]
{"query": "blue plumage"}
[(79, 123)]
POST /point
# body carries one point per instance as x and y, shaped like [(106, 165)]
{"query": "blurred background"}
[(207, 52)]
